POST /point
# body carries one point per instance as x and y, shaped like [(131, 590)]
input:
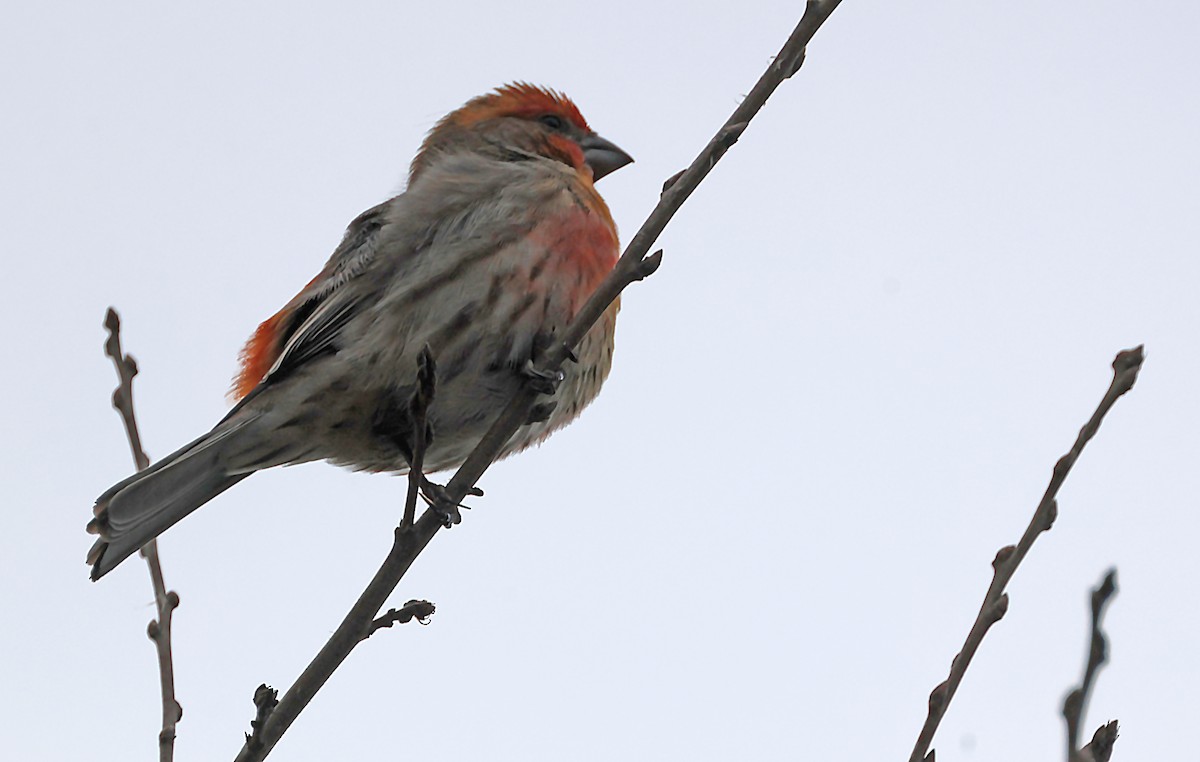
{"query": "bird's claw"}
[(448, 512), (439, 500), (541, 381)]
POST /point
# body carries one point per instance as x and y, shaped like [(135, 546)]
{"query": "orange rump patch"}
[(259, 354)]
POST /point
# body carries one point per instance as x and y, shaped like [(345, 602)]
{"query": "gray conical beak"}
[(602, 156)]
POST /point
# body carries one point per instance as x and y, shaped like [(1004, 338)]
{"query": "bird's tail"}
[(145, 505)]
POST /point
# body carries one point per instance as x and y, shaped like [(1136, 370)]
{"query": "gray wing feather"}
[(326, 311)]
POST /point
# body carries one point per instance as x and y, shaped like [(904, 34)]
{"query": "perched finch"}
[(493, 247)]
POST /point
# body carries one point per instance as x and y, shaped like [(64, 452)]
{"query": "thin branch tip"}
[(1009, 557), (1101, 747), (1128, 359), (165, 601), (1075, 703)]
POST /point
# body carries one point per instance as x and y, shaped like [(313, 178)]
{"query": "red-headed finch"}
[(493, 247)]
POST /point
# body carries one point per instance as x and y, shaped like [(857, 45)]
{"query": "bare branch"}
[(1075, 704), (122, 396), (419, 610), (995, 602), (353, 629), (159, 630)]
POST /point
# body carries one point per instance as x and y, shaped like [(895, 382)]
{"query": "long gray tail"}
[(145, 505)]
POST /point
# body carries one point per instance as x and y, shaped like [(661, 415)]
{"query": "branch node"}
[(998, 609), (937, 698), (670, 181), (1127, 359), (1049, 516), (419, 610), (649, 265), (789, 65), (1063, 466), (266, 699), (1106, 590), (1002, 556), (730, 134)]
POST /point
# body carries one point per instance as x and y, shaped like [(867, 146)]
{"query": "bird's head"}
[(522, 118)]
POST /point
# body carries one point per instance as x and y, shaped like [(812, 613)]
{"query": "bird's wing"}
[(467, 210), (305, 325)]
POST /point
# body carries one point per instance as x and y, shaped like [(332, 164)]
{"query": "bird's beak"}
[(602, 156)]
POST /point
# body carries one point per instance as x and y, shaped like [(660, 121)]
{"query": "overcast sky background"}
[(878, 324)]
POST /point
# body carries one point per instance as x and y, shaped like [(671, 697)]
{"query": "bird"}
[(496, 242)]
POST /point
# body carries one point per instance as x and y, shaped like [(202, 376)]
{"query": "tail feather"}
[(145, 505)]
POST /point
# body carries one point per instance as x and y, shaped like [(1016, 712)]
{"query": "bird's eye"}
[(553, 121)]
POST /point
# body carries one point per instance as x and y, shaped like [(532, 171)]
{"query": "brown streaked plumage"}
[(492, 249)]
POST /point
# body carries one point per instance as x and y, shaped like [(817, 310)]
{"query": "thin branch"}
[(1075, 705), (410, 539), (419, 610), (405, 548), (1101, 746), (634, 265), (165, 601), (995, 603)]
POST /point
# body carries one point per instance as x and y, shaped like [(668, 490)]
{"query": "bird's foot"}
[(541, 381), (439, 500)]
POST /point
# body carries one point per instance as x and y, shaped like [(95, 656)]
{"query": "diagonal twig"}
[(273, 715), (419, 610), (165, 601), (1075, 704), (635, 264), (995, 602)]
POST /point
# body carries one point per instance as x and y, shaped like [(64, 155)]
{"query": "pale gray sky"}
[(878, 324)]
